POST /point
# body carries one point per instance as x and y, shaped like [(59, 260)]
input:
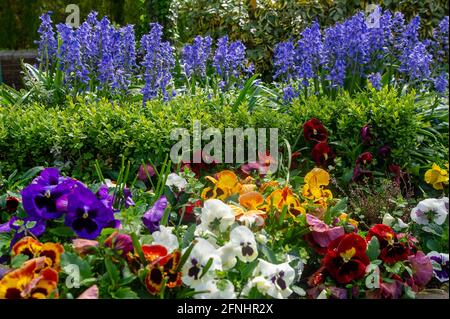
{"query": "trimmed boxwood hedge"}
[(75, 135)]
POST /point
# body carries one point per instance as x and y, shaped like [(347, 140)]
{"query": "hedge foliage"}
[(75, 135)]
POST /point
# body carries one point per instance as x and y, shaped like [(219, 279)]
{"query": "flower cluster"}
[(314, 132), (363, 48), (230, 62), (158, 62), (196, 56)]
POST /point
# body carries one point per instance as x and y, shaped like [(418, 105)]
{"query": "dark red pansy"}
[(364, 158), (322, 154), (314, 130), (392, 250), (346, 259)]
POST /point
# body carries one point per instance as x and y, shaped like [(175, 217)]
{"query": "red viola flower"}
[(314, 130), (366, 134), (200, 162), (364, 158), (346, 259), (322, 154), (162, 267), (391, 249), (11, 204), (189, 211)]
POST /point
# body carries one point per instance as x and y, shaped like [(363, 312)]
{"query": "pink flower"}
[(321, 233), (90, 293), (422, 268), (84, 246)]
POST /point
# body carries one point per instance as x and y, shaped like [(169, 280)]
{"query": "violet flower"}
[(87, 215), (153, 216), (422, 268), (440, 265), (46, 196)]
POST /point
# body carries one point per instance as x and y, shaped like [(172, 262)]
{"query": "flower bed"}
[(353, 203)]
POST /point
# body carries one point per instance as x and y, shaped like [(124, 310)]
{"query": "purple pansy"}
[(46, 196), (86, 214), (440, 265), (153, 216)]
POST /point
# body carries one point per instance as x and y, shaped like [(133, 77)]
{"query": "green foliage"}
[(75, 136), (412, 126), (82, 132)]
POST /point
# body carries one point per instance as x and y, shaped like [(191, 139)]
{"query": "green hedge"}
[(75, 135)]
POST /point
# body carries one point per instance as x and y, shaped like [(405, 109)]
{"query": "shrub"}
[(74, 136)]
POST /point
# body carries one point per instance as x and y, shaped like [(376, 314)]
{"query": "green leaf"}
[(188, 236), (62, 231), (113, 272), (373, 248), (340, 207), (68, 259), (124, 293), (17, 261), (207, 266)]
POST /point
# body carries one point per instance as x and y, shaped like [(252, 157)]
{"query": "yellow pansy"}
[(437, 177), (226, 184)]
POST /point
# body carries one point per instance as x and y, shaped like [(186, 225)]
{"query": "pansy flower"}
[(321, 234), (33, 249), (153, 216), (162, 267), (346, 258), (46, 196), (392, 250), (430, 210), (364, 159), (322, 154), (250, 212), (285, 197), (272, 280), (86, 214), (201, 254), (164, 237), (226, 184), (440, 265), (176, 183), (437, 176), (422, 269), (33, 280), (315, 182), (244, 242), (121, 243), (314, 130), (216, 217), (261, 167)]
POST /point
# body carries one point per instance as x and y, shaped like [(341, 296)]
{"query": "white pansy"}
[(200, 255), (251, 220), (217, 289), (176, 180), (164, 237), (244, 242), (228, 256), (216, 216), (273, 280), (430, 210)]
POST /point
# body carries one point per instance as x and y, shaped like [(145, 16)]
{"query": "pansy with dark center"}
[(314, 130), (86, 214), (46, 196)]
